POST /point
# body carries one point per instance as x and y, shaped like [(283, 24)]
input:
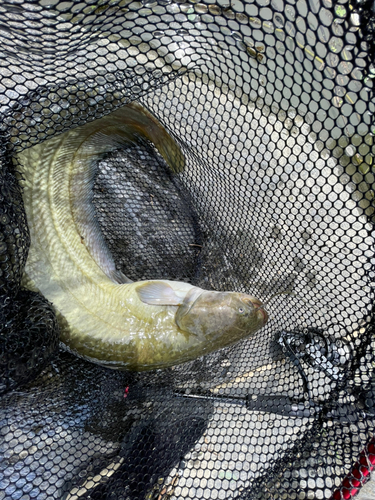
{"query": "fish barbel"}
[(105, 317)]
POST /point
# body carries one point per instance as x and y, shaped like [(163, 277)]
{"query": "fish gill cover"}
[(272, 106)]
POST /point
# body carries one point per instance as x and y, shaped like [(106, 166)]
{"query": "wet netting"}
[(271, 103)]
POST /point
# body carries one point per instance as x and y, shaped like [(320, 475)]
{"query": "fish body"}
[(104, 317)]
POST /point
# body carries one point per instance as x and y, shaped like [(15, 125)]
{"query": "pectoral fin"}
[(158, 293)]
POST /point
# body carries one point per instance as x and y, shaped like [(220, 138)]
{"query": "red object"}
[(358, 475), (126, 391)]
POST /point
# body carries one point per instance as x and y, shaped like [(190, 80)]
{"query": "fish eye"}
[(241, 310)]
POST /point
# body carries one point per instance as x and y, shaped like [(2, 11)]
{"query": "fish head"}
[(221, 317)]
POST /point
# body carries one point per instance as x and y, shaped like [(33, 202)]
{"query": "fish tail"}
[(171, 152), (154, 131)]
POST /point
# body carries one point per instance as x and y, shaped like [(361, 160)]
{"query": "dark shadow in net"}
[(155, 445)]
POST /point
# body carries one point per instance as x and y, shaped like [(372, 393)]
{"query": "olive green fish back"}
[(271, 104)]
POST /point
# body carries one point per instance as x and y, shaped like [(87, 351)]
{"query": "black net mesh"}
[(272, 105)]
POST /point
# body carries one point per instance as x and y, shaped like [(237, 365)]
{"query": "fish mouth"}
[(261, 313), (256, 302)]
